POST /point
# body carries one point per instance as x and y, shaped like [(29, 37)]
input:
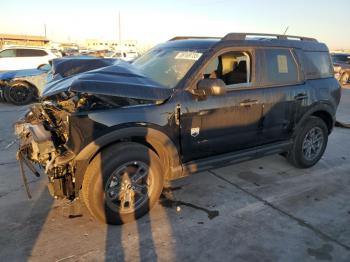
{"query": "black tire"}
[(105, 200), (344, 79), (301, 155), (20, 93), (5, 93)]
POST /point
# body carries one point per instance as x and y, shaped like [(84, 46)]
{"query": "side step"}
[(236, 157)]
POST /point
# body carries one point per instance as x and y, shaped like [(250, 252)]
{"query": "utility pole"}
[(120, 32), (45, 30)]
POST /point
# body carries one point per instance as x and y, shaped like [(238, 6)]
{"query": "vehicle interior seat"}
[(237, 75)]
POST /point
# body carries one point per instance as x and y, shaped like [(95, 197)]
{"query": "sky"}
[(154, 21)]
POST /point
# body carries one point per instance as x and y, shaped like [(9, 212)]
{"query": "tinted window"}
[(318, 65), (30, 52), (8, 53), (281, 67)]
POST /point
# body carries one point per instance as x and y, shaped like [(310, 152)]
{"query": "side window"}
[(30, 53), (8, 53), (281, 67), (318, 65), (232, 67)]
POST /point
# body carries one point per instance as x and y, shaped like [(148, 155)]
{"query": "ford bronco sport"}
[(115, 134)]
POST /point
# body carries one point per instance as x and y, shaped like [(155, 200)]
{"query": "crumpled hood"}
[(72, 65), (119, 79)]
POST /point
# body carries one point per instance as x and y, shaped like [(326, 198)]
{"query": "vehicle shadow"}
[(130, 176)]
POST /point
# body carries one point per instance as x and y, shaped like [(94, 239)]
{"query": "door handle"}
[(248, 102), (301, 96)]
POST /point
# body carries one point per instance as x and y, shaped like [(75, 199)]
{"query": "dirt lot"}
[(262, 210)]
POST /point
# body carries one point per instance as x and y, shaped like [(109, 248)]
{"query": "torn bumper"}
[(37, 148)]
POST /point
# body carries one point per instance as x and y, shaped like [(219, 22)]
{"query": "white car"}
[(126, 56), (17, 58)]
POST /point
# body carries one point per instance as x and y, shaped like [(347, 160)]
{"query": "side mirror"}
[(210, 86)]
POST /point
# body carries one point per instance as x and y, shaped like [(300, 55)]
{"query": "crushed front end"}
[(43, 134), (77, 109)]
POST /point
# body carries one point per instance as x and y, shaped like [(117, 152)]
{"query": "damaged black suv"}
[(114, 132)]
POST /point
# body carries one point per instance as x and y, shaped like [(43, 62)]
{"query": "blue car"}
[(21, 87)]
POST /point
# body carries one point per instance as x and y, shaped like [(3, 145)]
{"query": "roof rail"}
[(243, 36), (192, 37)]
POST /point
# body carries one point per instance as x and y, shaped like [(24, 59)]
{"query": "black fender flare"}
[(320, 107), (156, 139)]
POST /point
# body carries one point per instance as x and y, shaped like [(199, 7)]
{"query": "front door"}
[(230, 122)]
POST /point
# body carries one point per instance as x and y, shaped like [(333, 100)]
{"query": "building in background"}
[(99, 44), (23, 40)]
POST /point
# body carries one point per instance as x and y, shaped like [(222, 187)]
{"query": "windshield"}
[(341, 59), (167, 66)]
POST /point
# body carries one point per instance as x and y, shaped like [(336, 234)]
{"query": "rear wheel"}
[(309, 144), (122, 183)]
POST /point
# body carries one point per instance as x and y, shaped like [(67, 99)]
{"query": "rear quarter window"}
[(280, 67), (318, 65)]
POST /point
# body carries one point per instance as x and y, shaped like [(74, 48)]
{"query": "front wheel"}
[(309, 144), (122, 183)]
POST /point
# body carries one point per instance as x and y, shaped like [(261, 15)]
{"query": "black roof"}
[(248, 39), (191, 43)]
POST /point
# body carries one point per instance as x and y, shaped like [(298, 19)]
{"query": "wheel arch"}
[(326, 117), (323, 111), (156, 140)]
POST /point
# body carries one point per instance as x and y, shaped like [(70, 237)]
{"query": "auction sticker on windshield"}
[(188, 55)]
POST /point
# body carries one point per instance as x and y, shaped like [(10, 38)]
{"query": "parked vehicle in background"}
[(21, 87), (70, 52), (56, 52), (341, 63), (84, 52), (113, 135), (126, 56), (19, 57)]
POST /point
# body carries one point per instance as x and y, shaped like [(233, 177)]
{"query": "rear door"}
[(283, 89)]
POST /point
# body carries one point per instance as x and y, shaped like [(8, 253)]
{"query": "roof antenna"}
[(285, 31)]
